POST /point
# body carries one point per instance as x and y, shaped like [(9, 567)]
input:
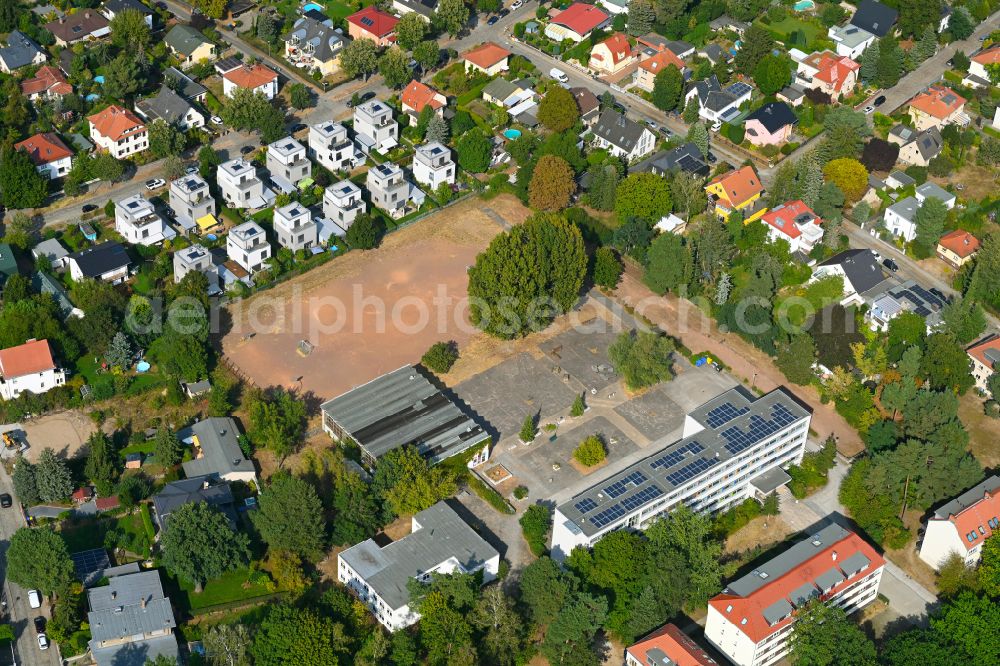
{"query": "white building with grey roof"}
[(191, 201), (623, 137), (171, 108), (247, 245), (138, 223), (216, 448), (375, 127), (314, 45), (733, 447), (432, 165), (240, 186), (404, 408), (439, 542), (342, 203), (196, 258), (391, 191), (131, 621), (287, 163)]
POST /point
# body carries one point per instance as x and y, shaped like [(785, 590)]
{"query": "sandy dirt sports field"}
[(368, 313)]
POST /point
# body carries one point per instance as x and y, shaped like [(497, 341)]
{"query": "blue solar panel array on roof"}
[(668, 460), (585, 505), (620, 487), (723, 414), (758, 429), (691, 470)]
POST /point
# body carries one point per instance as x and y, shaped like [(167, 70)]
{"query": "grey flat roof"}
[(725, 419), (971, 496), (400, 408), (220, 446), (787, 561), (770, 480), (442, 536), (136, 654)]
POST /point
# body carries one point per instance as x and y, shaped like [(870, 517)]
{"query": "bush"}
[(441, 356), (607, 268), (732, 520), (591, 451), (520, 492), (643, 358), (492, 497), (535, 526), (579, 407)]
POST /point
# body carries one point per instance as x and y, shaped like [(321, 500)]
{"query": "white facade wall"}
[(127, 145), (269, 89), (247, 245), (942, 540), (294, 227), (55, 168), (342, 203), (37, 383), (330, 147), (239, 183)]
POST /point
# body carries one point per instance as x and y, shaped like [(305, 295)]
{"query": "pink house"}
[(374, 24), (770, 125)]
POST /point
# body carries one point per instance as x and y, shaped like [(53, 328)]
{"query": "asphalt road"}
[(18, 613)]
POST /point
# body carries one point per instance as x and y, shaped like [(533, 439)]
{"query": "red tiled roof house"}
[(417, 95), (256, 77), (667, 646), (936, 107), (957, 247), (645, 75), (118, 131), (796, 223), (829, 73), (962, 525), (612, 55), (28, 367), (985, 355), (374, 24), (751, 621), (576, 22), (48, 82), (980, 61), (51, 156), (488, 58)]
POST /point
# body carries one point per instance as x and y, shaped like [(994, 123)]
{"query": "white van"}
[(34, 599), (558, 75)]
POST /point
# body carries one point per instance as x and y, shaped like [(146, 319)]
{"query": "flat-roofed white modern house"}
[(962, 525), (733, 447), (439, 542), (751, 621), (28, 367), (138, 223), (191, 201), (330, 147), (287, 163), (294, 227), (342, 203), (196, 258), (390, 190), (240, 186), (247, 245), (432, 165), (375, 128)]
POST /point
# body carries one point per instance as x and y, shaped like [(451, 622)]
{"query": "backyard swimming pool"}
[(512, 133), (311, 6), (803, 5)]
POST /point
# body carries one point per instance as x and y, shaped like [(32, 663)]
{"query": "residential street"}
[(18, 613)]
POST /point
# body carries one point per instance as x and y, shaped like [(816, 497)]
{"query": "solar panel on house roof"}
[(648, 493), (619, 488), (739, 89), (90, 564), (758, 428), (585, 505), (670, 459), (611, 514), (723, 414), (691, 470), (367, 21)]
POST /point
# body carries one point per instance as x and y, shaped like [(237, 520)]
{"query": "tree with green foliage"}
[(846, 130), (698, 135), (849, 175), (123, 78), (929, 222), (10, 13), (299, 96), (25, 482), (796, 357), (643, 358), (504, 637), (130, 32), (474, 151), (558, 110), (268, 28), (290, 517), (643, 195), (823, 636), (570, 636), (591, 451), (52, 475), (410, 30), (407, 484), (437, 130), (641, 16), (527, 276), (691, 111), (535, 525), (198, 544), (969, 622), (771, 74), (37, 558), (365, 232), (227, 644), (21, 186), (668, 264), (964, 318), (989, 566), (277, 420), (287, 635), (250, 110), (688, 537), (552, 184), (103, 463), (529, 430), (392, 65), (427, 54), (608, 268), (119, 352), (668, 86), (579, 407), (757, 43), (441, 356), (881, 436), (603, 190), (359, 58), (961, 25), (946, 365), (955, 576), (890, 66), (907, 329), (451, 16)]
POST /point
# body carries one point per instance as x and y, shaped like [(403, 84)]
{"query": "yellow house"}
[(739, 189)]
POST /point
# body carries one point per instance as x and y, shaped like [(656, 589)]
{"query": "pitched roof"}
[(417, 95), (859, 266), (975, 513), (375, 21), (27, 359), (669, 646), (218, 439), (19, 51), (660, 60), (129, 605), (831, 68), (500, 88), (739, 185), (929, 142), (44, 148), (585, 99), (116, 6), (166, 105), (938, 101), (176, 494), (762, 602), (773, 116), (788, 217), (324, 39), (486, 55), (251, 76), (47, 78), (618, 46), (990, 56), (580, 18), (188, 87), (960, 242), (100, 259), (618, 130), (874, 17), (115, 122), (686, 157), (78, 25), (184, 39)]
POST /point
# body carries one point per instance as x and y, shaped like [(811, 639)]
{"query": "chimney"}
[(86, 15), (834, 555), (143, 603), (114, 594)]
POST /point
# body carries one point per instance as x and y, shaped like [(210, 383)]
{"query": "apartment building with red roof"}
[(667, 646), (962, 525), (374, 24), (50, 155), (118, 131), (985, 355), (28, 367), (751, 620), (612, 55), (576, 22)]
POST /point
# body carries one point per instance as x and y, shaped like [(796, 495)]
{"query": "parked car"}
[(6, 501), (651, 125), (868, 110), (492, 20), (155, 183), (362, 98), (298, 127), (40, 625), (246, 150), (890, 264), (43, 642), (89, 208), (503, 13), (191, 170), (879, 101), (517, 4), (666, 132), (558, 75), (712, 159), (216, 120), (717, 125), (34, 599)]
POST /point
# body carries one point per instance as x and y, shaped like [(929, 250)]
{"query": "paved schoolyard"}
[(583, 353), (653, 413), (506, 393)]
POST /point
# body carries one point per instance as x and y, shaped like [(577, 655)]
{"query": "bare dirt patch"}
[(980, 182), (762, 531), (367, 313), (907, 557), (63, 432), (984, 431)]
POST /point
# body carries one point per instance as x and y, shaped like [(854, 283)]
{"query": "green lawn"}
[(225, 589), (336, 9), (783, 29), (91, 535)]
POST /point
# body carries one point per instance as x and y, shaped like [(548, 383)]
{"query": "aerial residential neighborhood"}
[(592, 333)]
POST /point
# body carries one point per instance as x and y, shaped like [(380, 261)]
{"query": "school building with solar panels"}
[(733, 447)]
